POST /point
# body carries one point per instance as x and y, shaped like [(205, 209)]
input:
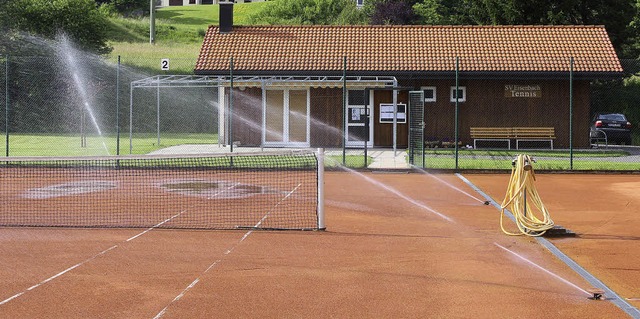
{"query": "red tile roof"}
[(401, 49)]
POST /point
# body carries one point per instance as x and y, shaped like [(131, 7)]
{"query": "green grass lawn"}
[(597, 159), (199, 17), (560, 165), (70, 145), (535, 153), (353, 161)]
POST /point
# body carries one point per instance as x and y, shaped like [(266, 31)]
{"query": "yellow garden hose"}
[(523, 201)]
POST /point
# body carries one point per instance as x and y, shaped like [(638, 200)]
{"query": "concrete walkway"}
[(387, 159)]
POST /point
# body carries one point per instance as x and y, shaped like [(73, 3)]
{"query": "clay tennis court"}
[(436, 253)]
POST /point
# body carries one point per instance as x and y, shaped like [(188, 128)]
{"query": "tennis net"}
[(277, 190)]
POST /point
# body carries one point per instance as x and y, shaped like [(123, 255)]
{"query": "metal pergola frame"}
[(204, 81), (256, 81)]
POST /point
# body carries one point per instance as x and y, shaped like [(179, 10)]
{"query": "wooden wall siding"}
[(486, 106), (326, 117), (383, 132), (247, 121)]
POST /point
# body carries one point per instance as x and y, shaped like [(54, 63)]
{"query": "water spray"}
[(69, 54), (421, 170), (547, 271), (392, 190)]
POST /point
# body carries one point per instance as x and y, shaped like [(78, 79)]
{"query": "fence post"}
[(6, 107), (344, 110), (131, 118), (366, 125), (118, 108), (571, 113), (455, 140), (158, 110), (231, 104), (320, 208)]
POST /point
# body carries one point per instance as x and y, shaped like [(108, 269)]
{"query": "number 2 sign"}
[(164, 64)]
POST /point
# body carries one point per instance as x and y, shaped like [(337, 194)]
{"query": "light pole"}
[(152, 22)]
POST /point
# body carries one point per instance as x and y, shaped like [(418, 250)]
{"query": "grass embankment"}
[(179, 34)]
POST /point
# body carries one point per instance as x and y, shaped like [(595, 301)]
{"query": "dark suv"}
[(614, 126)]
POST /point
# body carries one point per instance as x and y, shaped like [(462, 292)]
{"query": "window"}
[(286, 117), (356, 97), (429, 93), (359, 3), (462, 94)]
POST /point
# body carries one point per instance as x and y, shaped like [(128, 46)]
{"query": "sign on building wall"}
[(386, 113), (525, 91)]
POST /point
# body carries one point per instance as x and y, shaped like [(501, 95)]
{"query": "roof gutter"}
[(437, 75)]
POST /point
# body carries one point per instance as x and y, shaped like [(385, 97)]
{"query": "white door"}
[(359, 114)]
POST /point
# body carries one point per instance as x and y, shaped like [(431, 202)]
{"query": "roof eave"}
[(466, 75)]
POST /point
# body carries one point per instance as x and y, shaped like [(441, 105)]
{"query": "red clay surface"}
[(381, 256)]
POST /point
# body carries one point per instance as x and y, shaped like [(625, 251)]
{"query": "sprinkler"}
[(598, 294), (487, 202)]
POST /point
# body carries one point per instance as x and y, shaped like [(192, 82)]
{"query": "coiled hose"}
[(522, 199)]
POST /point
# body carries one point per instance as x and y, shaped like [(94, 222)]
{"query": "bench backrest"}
[(513, 132), (534, 132), (491, 132)]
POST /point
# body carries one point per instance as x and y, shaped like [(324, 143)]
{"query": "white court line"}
[(57, 275), (103, 252), (156, 226), (197, 280)]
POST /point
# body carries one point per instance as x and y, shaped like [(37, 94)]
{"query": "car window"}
[(612, 117)]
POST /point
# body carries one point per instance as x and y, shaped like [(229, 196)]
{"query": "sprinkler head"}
[(487, 202), (598, 294)]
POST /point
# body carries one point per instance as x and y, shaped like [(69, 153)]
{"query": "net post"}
[(320, 208)]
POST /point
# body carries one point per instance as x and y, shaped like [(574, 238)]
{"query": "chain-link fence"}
[(63, 102)]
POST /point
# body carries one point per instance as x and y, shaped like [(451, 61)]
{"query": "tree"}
[(616, 16), (390, 11), (393, 12), (79, 19), (631, 47), (125, 7), (315, 12)]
